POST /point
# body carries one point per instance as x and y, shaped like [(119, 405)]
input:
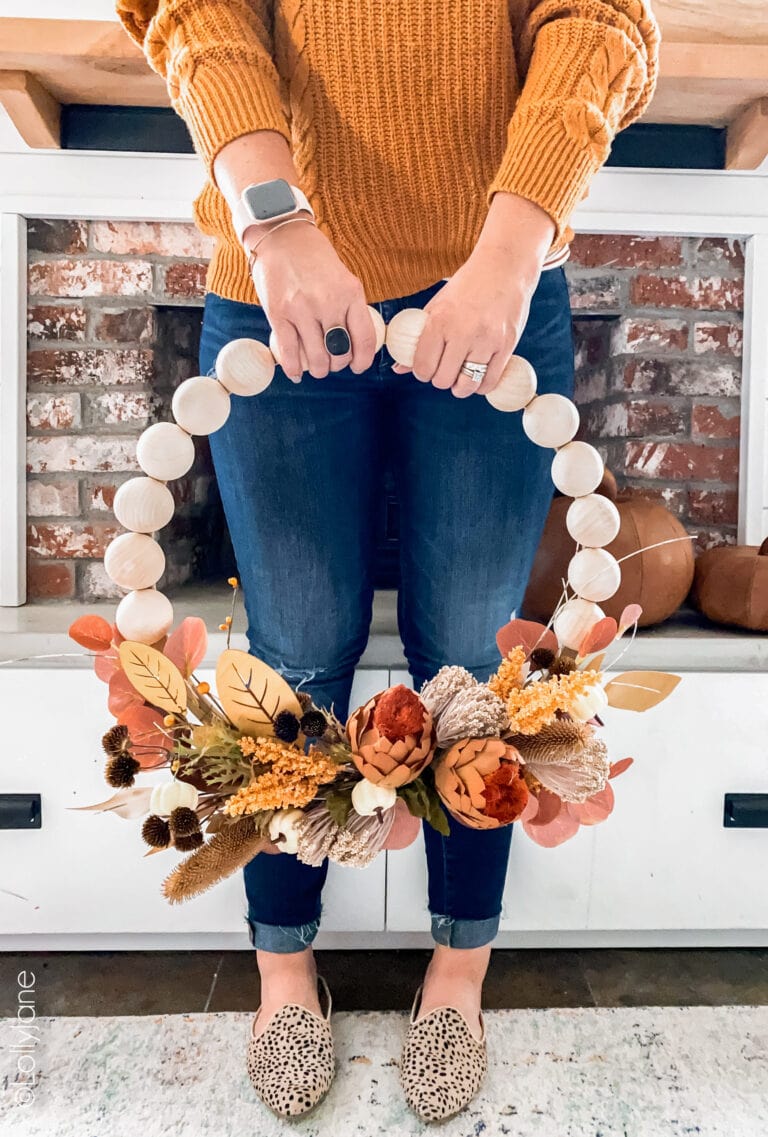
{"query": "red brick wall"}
[(659, 377), (113, 329)]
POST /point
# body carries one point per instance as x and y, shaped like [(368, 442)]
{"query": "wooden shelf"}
[(714, 67)]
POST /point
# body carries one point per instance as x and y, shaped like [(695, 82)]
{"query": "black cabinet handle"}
[(746, 811), (20, 811)]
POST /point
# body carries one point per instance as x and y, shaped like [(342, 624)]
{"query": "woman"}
[(402, 154)]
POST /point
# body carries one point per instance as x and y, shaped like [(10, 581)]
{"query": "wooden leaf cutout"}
[(526, 634), (91, 632), (251, 693), (640, 690), (186, 645), (131, 803), (154, 676), (596, 663)]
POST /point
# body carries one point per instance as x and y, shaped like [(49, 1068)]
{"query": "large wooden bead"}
[(144, 615), (245, 367), (577, 469), (276, 353), (403, 333), (143, 505), (574, 620), (379, 327), (594, 574), (550, 420), (593, 520), (165, 451), (200, 405), (134, 560), (516, 387)]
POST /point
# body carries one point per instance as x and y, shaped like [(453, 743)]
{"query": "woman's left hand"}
[(480, 312)]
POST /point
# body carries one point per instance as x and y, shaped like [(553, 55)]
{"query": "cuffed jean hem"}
[(464, 933), (279, 937)]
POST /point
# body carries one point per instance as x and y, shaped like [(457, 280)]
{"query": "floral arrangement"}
[(256, 767)]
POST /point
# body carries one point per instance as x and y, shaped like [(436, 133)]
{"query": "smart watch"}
[(264, 202)]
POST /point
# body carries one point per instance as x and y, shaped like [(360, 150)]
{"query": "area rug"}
[(626, 1072)]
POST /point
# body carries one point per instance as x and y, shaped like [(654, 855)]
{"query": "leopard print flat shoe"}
[(292, 1062), (442, 1065)]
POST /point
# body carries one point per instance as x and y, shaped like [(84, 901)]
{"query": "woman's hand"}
[(480, 312), (306, 289)]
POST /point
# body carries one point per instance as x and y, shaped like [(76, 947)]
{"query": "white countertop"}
[(686, 643)]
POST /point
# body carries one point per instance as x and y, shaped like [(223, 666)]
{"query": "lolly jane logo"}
[(25, 1040)]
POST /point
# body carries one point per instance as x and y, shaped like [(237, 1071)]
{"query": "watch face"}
[(270, 199)]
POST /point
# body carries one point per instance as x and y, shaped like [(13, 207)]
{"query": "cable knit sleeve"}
[(590, 69), (217, 59)]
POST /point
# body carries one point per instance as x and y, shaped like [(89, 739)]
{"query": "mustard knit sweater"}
[(404, 116)]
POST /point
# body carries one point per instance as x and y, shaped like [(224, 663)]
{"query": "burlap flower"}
[(392, 737), (480, 783)]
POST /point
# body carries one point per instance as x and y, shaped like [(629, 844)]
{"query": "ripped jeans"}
[(299, 471)]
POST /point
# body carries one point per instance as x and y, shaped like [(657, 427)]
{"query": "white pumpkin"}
[(368, 798), (590, 703), (168, 796), (284, 829)]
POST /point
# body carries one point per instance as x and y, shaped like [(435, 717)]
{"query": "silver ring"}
[(474, 371)]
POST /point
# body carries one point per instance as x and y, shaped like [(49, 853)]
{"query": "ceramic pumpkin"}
[(658, 579), (731, 585)]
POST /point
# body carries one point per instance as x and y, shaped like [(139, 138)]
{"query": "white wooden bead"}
[(577, 469), (144, 615), (550, 420), (200, 405), (403, 332), (516, 387), (574, 620), (134, 560), (379, 326), (593, 521), (165, 451), (274, 349), (245, 367), (143, 505), (594, 574)]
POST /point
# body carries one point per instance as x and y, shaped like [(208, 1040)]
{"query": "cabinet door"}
[(87, 873), (664, 858)]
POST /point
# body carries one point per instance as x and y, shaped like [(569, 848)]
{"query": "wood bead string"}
[(201, 405)]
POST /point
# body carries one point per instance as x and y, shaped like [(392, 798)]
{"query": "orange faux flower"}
[(506, 794), (392, 737)]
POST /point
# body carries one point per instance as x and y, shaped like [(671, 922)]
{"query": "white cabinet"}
[(662, 870)]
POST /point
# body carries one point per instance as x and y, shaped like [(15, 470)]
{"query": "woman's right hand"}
[(305, 289)]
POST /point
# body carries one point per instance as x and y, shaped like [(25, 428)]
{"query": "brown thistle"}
[(226, 852)]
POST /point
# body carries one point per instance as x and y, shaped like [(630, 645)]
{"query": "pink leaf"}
[(619, 767), (526, 634), (628, 617), (186, 646), (555, 832), (531, 808), (599, 636), (91, 632), (595, 809), (550, 806), (122, 694), (405, 827), (144, 724), (106, 664)]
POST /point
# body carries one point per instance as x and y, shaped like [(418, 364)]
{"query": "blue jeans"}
[(299, 469)]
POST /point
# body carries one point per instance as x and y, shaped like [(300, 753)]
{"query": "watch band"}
[(243, 219)]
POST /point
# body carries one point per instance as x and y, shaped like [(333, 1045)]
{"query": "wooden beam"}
[(32, 109), (747, 138)]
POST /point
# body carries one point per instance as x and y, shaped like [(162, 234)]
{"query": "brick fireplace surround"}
[(113, 328)]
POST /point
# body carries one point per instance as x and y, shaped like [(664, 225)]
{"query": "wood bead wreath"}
[(255, 766), (165, 451)]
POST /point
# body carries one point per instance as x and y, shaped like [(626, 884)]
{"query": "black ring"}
[(337, 341)]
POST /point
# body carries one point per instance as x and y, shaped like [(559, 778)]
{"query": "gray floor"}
[(148, 983)]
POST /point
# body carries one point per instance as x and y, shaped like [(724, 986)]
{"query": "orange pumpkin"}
[(731, 585), (657, 579)]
